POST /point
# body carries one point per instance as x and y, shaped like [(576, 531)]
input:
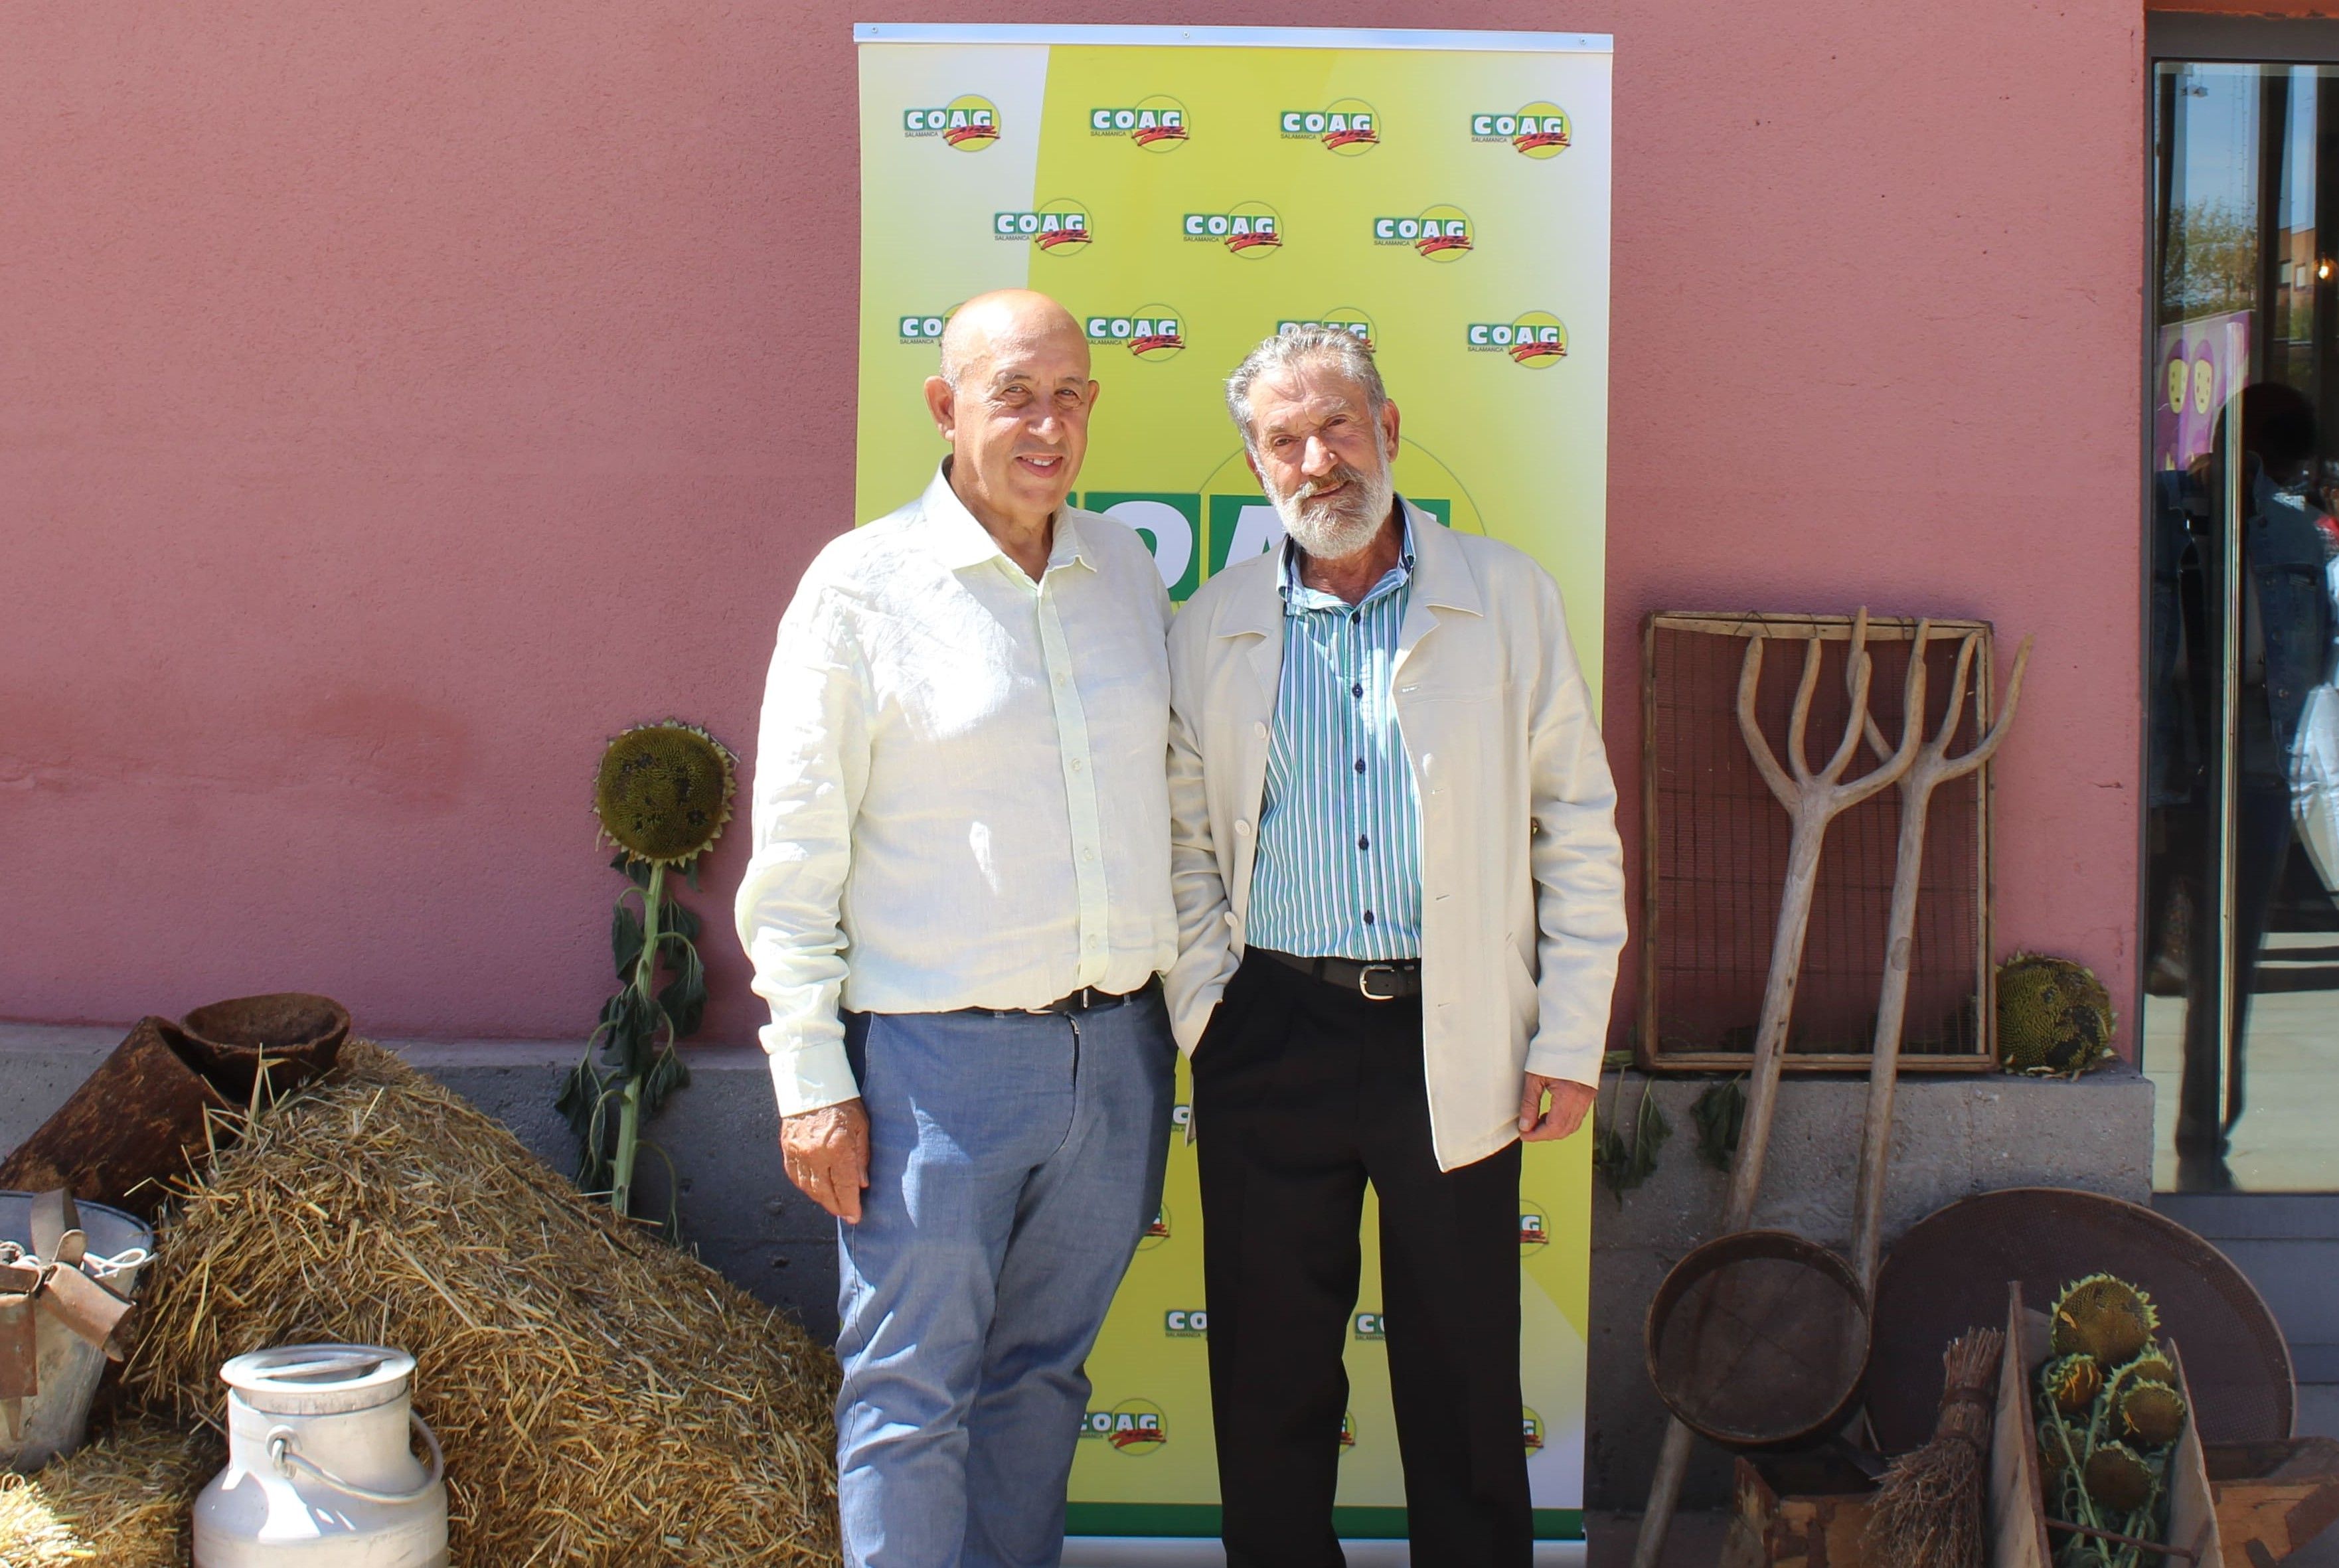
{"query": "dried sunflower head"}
[(2073, 1382), (2118, 1478), (2149, 1366), (2151, 1414), (664, 791), (2105, 1318), (2053, 1458)]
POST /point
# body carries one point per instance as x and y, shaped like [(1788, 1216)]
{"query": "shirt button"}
[(1360, 764), (1088, 854), (1368, 917), (1363, 842), (1078, 765), (1358, 690)]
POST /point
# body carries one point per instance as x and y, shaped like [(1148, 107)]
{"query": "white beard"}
[(1333, 529)]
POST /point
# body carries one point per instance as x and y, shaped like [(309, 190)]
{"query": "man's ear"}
[(1388, 427), (1252, 464), (941, 402)]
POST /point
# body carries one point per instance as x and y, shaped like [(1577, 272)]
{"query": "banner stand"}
[(1186, 192)]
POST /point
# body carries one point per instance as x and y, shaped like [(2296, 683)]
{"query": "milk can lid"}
[(319, 1379)]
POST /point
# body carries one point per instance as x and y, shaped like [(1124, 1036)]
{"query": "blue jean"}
[(1014, 1163)]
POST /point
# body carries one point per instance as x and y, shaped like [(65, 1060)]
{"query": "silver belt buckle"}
[(1365, 981)]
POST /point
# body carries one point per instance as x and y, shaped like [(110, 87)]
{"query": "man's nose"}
[(1316, 460)]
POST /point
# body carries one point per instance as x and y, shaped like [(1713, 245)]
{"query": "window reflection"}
[(2241, 930)]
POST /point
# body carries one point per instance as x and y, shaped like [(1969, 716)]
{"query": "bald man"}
[(958, 907)]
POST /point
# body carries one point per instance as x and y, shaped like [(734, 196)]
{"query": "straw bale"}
[(605, 1399), (121, 1501)]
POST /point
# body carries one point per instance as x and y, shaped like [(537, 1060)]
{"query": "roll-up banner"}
[(1187, 191)]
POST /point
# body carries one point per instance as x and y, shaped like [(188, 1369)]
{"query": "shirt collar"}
[(1299, 596), (959, 540)]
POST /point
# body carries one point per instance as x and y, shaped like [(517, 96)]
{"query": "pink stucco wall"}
[(395, 401)]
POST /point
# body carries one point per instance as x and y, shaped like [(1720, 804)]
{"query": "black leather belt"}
[(1088, 999), (1384, 982)]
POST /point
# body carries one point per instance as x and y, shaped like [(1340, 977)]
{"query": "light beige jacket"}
[(1523, 882)]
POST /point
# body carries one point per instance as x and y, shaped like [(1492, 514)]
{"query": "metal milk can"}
[(321, 1473)]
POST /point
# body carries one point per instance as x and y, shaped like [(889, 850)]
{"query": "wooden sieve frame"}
[(1792, 630)]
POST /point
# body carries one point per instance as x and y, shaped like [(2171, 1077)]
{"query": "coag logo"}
[(1347, 1430), (1350, 127), (968, 123), (1156, 1233), (1371, 1325), (1540, 130), (1341, 318), (1181, 1322), (1535, 340), (1131, 1426), (1251, 229), (926, 328), (1060, 228), (1533, 1230), (1157, 124), (1151, 332), (1530, 1429), (1442, 233)]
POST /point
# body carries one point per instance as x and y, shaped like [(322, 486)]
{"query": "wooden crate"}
[(1787, 1520), (2019, 1537), (1714, 846), (2273, 1498)]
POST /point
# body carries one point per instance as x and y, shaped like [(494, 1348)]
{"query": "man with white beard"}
[(1400, 898)]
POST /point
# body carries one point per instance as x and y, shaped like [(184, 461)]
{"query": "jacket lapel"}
[(1441, 580)]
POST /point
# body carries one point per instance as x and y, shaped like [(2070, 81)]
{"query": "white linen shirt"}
[(958, 797)]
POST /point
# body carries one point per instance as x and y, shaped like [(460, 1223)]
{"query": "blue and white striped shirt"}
[(1338, 866)]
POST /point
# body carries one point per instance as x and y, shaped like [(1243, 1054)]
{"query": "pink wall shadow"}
[(396, 403)]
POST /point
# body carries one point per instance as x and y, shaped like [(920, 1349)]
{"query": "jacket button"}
[(1243, 828), (1259, 730)]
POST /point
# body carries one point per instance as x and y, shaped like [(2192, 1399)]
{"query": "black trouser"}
[(1303, 1093)]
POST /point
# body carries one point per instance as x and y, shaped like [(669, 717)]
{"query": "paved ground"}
[(2283, 1142)]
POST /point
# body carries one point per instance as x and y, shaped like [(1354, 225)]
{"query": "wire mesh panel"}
[(1716, 853)]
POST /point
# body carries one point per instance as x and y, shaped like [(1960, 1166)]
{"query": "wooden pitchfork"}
[(1812, 802), (1932, 768)]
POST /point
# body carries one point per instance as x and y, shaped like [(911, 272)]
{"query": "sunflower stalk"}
[(662, 795)]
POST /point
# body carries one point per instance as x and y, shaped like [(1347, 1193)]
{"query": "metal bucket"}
[(56, 1418), (321, 1473)]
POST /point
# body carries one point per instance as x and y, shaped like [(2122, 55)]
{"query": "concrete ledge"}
[(1952, 1137)]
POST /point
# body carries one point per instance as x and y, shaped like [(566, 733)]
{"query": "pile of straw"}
[(122, 1502), (605, 1401)]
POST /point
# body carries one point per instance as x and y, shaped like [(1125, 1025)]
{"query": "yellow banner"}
[(1186, 193)]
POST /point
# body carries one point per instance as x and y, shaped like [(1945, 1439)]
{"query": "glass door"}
[(2240, 933)]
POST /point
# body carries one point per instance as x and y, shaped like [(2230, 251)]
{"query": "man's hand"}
[(827, 1156), (1569, 1102)]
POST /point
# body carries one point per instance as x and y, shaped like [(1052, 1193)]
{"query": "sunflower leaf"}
[(675, 917), (1719, 1112), (626, 940), (683, 998)]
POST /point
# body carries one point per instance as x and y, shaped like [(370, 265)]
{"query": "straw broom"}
[(1929, 1511), (606, 1401)]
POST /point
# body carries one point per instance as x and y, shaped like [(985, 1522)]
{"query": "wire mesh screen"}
[(1717, 852)]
